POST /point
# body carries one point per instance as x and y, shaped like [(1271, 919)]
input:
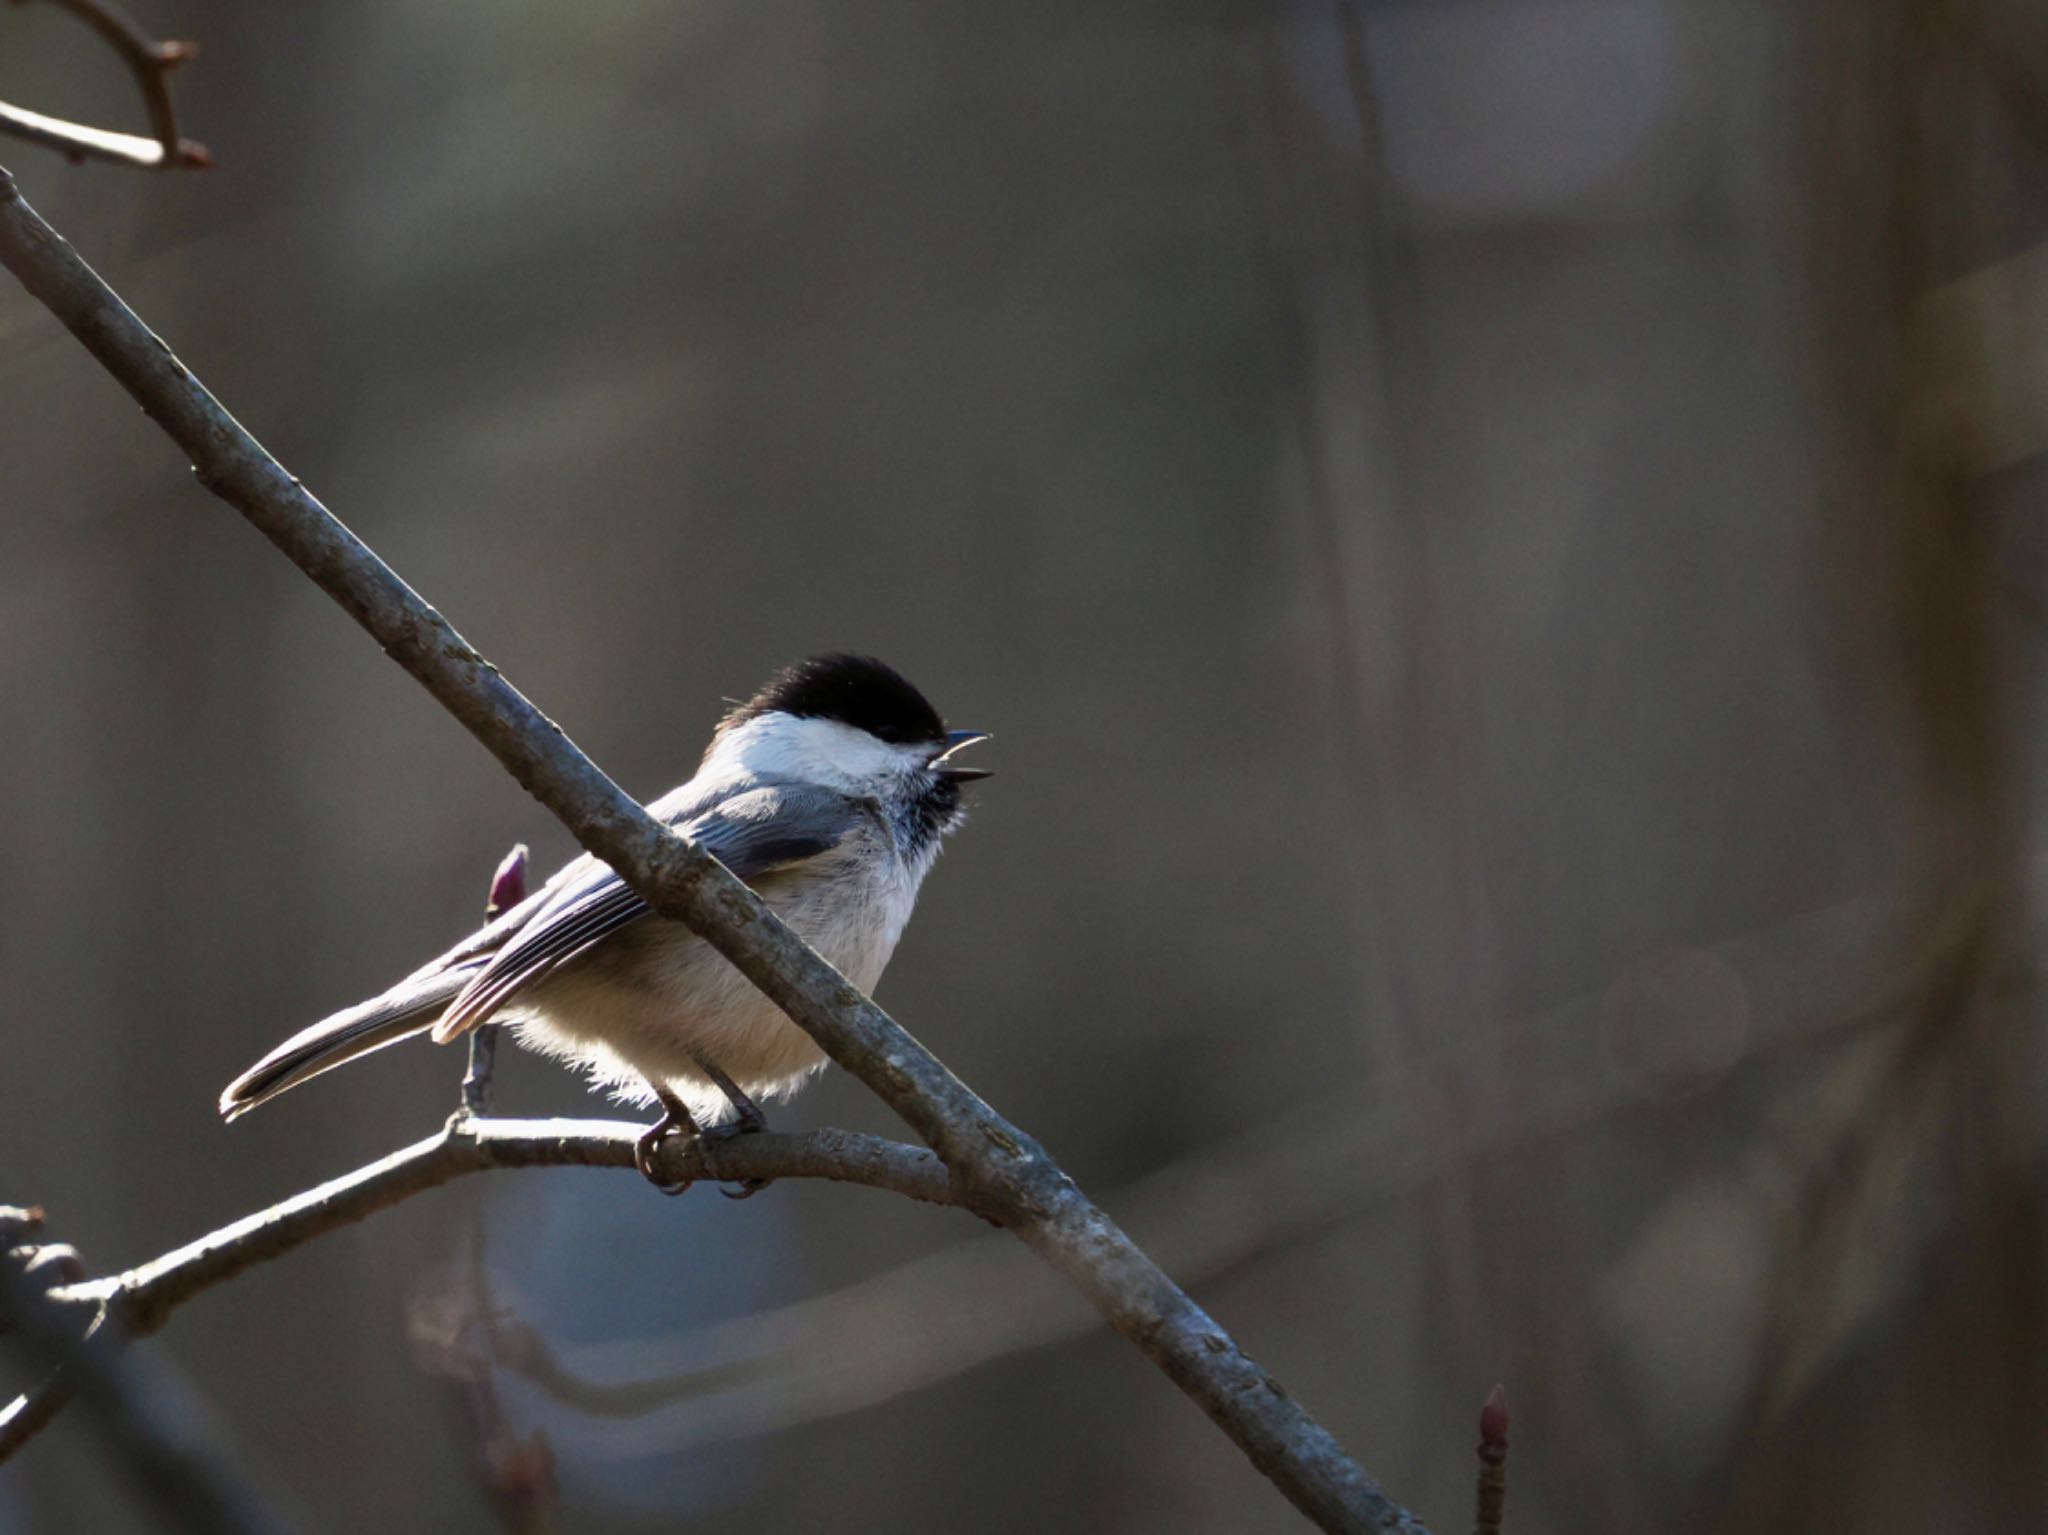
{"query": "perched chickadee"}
[(828, 791)]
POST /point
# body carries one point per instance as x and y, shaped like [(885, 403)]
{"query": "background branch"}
[(1003, 1171), (1493, 1463), (187, 1479), (1832, 974), (151, 62)]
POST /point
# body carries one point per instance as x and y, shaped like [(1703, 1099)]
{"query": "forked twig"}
[(151, 62)]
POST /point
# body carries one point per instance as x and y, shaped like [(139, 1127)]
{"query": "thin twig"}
[(151, 62), (140, 1300), (516, 1471), (996, 1167), (145, 1297), (508, 889)]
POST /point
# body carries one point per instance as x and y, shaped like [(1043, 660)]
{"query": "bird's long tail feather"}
[(408, 1009)]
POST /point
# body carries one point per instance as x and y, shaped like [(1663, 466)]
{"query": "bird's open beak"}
[(955, 740)]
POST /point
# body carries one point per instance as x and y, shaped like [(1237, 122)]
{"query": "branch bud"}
[(508, 885)]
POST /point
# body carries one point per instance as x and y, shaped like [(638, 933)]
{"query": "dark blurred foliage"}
[(1498, 538)]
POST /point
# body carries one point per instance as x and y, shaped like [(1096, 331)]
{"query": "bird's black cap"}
[(854, 690)]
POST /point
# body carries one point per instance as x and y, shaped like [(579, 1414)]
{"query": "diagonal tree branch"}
[(995, 1167), (151, 62)]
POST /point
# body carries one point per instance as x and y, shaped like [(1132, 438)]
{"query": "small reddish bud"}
[(508, 885), (1493, 1422), (169, 55)]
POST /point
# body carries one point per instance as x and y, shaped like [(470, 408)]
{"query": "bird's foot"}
[(747, 1120), (676, 1119), (732, 1130)]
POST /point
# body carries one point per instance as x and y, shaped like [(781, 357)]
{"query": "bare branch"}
[(996, 1167), (151, 62), (140, 1300), (144, 1297)]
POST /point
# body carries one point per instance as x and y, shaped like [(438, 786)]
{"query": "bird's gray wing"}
[(753, 833)]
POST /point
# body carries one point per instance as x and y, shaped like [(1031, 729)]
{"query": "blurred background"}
[(1498, 539)]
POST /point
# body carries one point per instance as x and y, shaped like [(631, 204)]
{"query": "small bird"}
[(829, 792)]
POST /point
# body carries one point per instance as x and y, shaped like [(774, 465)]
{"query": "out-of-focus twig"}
[(454, 1329), (1493, 1463), (1834, 971), (188, 1481), (1996, 35), (1910, 108), (151, 62), (1000, 1171)]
